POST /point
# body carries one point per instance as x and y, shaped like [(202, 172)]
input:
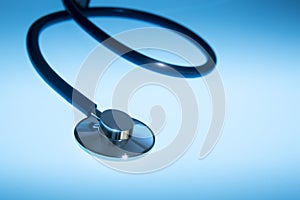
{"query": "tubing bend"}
[(79, 14), (69, 93)]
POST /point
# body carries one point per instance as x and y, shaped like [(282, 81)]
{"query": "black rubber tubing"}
[(133, 56), (73, 96)]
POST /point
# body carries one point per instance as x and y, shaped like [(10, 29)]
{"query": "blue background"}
[(258, 156)]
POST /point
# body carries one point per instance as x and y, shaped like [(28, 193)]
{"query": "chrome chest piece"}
[(114, 134)]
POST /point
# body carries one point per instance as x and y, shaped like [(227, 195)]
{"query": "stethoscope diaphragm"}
[(114, 139)]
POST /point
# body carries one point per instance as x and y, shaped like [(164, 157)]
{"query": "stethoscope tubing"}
[(75, 97), (78, 14)]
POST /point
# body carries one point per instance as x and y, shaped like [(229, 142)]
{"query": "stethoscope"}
[(111, 133)]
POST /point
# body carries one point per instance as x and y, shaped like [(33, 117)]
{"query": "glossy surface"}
[(92, 139), (116, 124)]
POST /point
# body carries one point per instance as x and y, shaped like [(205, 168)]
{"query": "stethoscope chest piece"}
[(114, 134)]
